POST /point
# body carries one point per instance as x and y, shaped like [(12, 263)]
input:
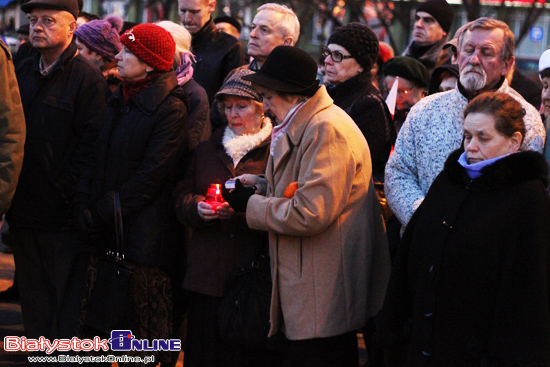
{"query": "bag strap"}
[(118, 228)]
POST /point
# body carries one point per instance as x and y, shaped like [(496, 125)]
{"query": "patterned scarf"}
[(184, 71), (130, 89)]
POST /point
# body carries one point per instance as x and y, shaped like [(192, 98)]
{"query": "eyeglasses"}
[(336, 56)]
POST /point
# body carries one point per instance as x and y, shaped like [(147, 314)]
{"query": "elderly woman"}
[(98, 42), (327, 242), (139, 146), (469, 285), (349, 56), (221, 240)]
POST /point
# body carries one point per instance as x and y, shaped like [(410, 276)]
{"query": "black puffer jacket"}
[(139, 146), (364, 104)]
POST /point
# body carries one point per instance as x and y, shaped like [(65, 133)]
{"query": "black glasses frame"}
[(336, 56)]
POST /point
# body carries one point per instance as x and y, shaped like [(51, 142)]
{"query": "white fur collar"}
[(236, 146)]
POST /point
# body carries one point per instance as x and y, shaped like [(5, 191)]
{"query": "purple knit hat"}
[(101, 36)]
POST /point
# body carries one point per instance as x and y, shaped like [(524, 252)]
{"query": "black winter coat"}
[(216, 54), (471, 282), (219, 246), (139, 146), (363, 103), (63, 112)]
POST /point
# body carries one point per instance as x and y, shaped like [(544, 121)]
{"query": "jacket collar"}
[(361, 83), (151, 97), (319, 101), (502, 84), (506, 172), (67, 55), (205, 33)]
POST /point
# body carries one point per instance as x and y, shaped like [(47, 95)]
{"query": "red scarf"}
[(130, 89)]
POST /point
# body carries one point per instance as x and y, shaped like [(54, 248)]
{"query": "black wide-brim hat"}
[(289, 70)]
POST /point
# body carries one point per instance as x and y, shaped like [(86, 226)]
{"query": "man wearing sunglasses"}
[(433, 21)]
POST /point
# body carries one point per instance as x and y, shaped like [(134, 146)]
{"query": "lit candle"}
[(214, 196)]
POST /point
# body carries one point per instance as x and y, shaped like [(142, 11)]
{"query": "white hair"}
[(290, 25), (181, 36)]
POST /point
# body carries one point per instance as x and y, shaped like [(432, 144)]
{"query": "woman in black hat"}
[(327, 242), (349, 56)]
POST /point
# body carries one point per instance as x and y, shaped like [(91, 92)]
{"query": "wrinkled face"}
[(274, 104), (88, 54), (265, 35), (546, 96), (338, 72), (408, 94), (427, 30), (483, 141), (194, 14), (50, 29), (129, 66), (479, 59), (243, 115)]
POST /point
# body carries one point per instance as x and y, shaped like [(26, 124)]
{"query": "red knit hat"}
[(151, 44)]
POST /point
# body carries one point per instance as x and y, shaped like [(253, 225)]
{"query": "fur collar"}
[(506, 172), (237, 146)]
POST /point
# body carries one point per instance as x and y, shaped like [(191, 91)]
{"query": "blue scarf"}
[(474, 170)]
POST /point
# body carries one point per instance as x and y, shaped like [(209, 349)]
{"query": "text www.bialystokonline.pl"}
[(91, 359)]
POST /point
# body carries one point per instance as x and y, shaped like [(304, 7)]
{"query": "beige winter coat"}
[(328, 247)]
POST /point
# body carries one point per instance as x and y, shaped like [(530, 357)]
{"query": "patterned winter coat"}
[(432, 131)]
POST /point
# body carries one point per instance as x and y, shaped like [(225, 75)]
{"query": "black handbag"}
[(243, 314), (110, 302)]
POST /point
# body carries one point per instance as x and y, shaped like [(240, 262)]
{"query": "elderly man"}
[(63, 98), (216, 52), (433, 21), (433, 128), (412, 78), (274, 25)]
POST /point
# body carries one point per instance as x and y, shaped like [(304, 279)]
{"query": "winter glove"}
[(238, 198)]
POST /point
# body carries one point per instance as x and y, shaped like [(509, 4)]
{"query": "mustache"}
[(475, 69)]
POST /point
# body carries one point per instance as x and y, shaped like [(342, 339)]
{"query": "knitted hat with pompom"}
[(101, 36), (151, 44)]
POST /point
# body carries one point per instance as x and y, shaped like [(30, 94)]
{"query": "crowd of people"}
[(402, 197)]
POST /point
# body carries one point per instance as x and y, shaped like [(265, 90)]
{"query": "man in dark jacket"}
[(216, 52), (63, 99)]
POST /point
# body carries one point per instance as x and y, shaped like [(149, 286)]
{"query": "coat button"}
[(426, 354), (231, 235), (126, 109), (431, 269), (428, 315)]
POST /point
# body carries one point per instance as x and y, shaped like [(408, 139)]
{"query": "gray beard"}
[(473, 81)]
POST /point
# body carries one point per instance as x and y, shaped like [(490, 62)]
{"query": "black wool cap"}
[(230, 20), (408, 68), (360, 41), (441, 11)]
